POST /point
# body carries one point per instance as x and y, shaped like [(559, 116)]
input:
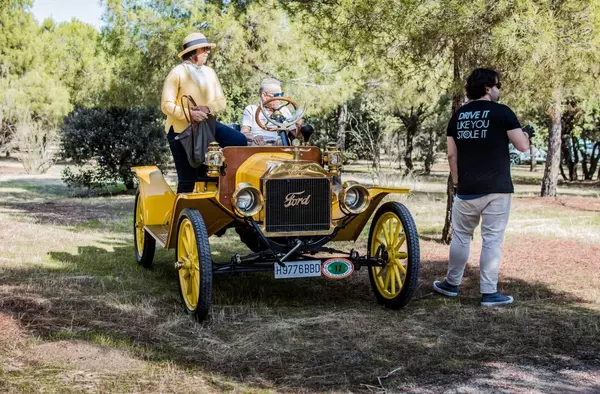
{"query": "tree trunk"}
[(562, 173), (532, 159), (342, 122), (586, 160), (550, 180), (447, 231), (411, 130), (431, 151), (457, 99), (574, 149), (594, 158), (567, 154), (399, 151), (376, 164)]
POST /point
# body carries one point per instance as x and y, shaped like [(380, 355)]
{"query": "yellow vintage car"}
[(286, 205)]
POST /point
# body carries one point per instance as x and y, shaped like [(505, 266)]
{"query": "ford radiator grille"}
[(298, 205)]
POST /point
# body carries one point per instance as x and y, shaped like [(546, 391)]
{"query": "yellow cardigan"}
[(180, 83)]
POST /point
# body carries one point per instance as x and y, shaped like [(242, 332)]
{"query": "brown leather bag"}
[(196, 137)]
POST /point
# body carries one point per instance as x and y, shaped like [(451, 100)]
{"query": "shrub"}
[(107, 142), (35, 143), (33, 103)]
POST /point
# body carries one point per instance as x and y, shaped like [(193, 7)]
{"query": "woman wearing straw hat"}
[(193, 78)]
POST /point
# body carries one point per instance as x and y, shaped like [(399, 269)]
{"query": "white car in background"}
[(517, 157)]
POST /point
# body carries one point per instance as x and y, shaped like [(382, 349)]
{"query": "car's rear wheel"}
[(194, 263), (144, 243), (394, 229)]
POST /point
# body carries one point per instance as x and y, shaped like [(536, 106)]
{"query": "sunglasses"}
[(280, 94)]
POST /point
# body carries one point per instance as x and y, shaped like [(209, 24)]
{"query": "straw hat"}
[(194, 41)]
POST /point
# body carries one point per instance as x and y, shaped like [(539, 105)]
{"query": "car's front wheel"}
[(394, 231), (194, 263)]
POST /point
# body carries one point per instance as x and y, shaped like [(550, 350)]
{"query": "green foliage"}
[(72, 55), (41, 94), (35, 102), (143, 40), (390, 63), (18, 36), (108, 142)]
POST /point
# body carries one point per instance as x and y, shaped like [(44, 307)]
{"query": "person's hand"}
[(202, 108), (198, 115), (259, 140), (530, 131), (296, 130)]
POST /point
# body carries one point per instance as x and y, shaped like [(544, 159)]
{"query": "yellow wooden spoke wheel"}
[(194, 263), (144, 243), (394, 232)]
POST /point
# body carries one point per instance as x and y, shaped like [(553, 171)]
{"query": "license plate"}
[(298, 269)]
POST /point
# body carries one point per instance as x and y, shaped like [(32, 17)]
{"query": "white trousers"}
[(493, 209)]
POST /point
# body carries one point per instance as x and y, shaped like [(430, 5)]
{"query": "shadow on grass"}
[(32, 188), (311, 335), (51, 205), (432, 236)]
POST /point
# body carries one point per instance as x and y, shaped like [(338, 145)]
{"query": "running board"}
[(159, 232)]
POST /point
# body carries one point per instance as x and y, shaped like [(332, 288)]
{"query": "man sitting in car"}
[(269, 88)]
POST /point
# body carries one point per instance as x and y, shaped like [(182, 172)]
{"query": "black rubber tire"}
[(147, 256), (205, 264), (413, 260)]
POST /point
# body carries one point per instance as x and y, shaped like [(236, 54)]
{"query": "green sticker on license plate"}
[(337, 268)]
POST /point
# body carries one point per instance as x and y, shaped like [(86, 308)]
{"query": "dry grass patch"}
[(85, 357), (78, 291)]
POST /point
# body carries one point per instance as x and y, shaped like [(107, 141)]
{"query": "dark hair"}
[(479, 79), (188, 55)]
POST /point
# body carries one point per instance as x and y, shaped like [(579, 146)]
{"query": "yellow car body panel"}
[(156, 193), (255, 167), (215, 215), (356, 224), (162, 206)]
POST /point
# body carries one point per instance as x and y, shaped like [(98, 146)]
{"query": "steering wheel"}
[(276, 118)]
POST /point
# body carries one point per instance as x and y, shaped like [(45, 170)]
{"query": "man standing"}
[(478, 136)]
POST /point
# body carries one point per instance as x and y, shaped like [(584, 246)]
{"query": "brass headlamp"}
[(214, 159), (247, 200), (333, 159), (354, 198)]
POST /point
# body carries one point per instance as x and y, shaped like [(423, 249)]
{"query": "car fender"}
[(354, 225), (156, 194)]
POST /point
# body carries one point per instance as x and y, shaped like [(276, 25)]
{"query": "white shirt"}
[(249, 120)]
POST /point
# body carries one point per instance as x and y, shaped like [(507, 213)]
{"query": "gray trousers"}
[(493, 210)]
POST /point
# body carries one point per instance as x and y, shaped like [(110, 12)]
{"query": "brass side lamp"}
[(214, 159), (333, 159)]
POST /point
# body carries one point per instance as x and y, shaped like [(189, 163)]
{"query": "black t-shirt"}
[(479, 131)]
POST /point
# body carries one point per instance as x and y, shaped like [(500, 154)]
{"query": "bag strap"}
[(189, 100)]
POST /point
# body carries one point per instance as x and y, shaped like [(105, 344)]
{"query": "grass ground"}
[(78, 315)]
